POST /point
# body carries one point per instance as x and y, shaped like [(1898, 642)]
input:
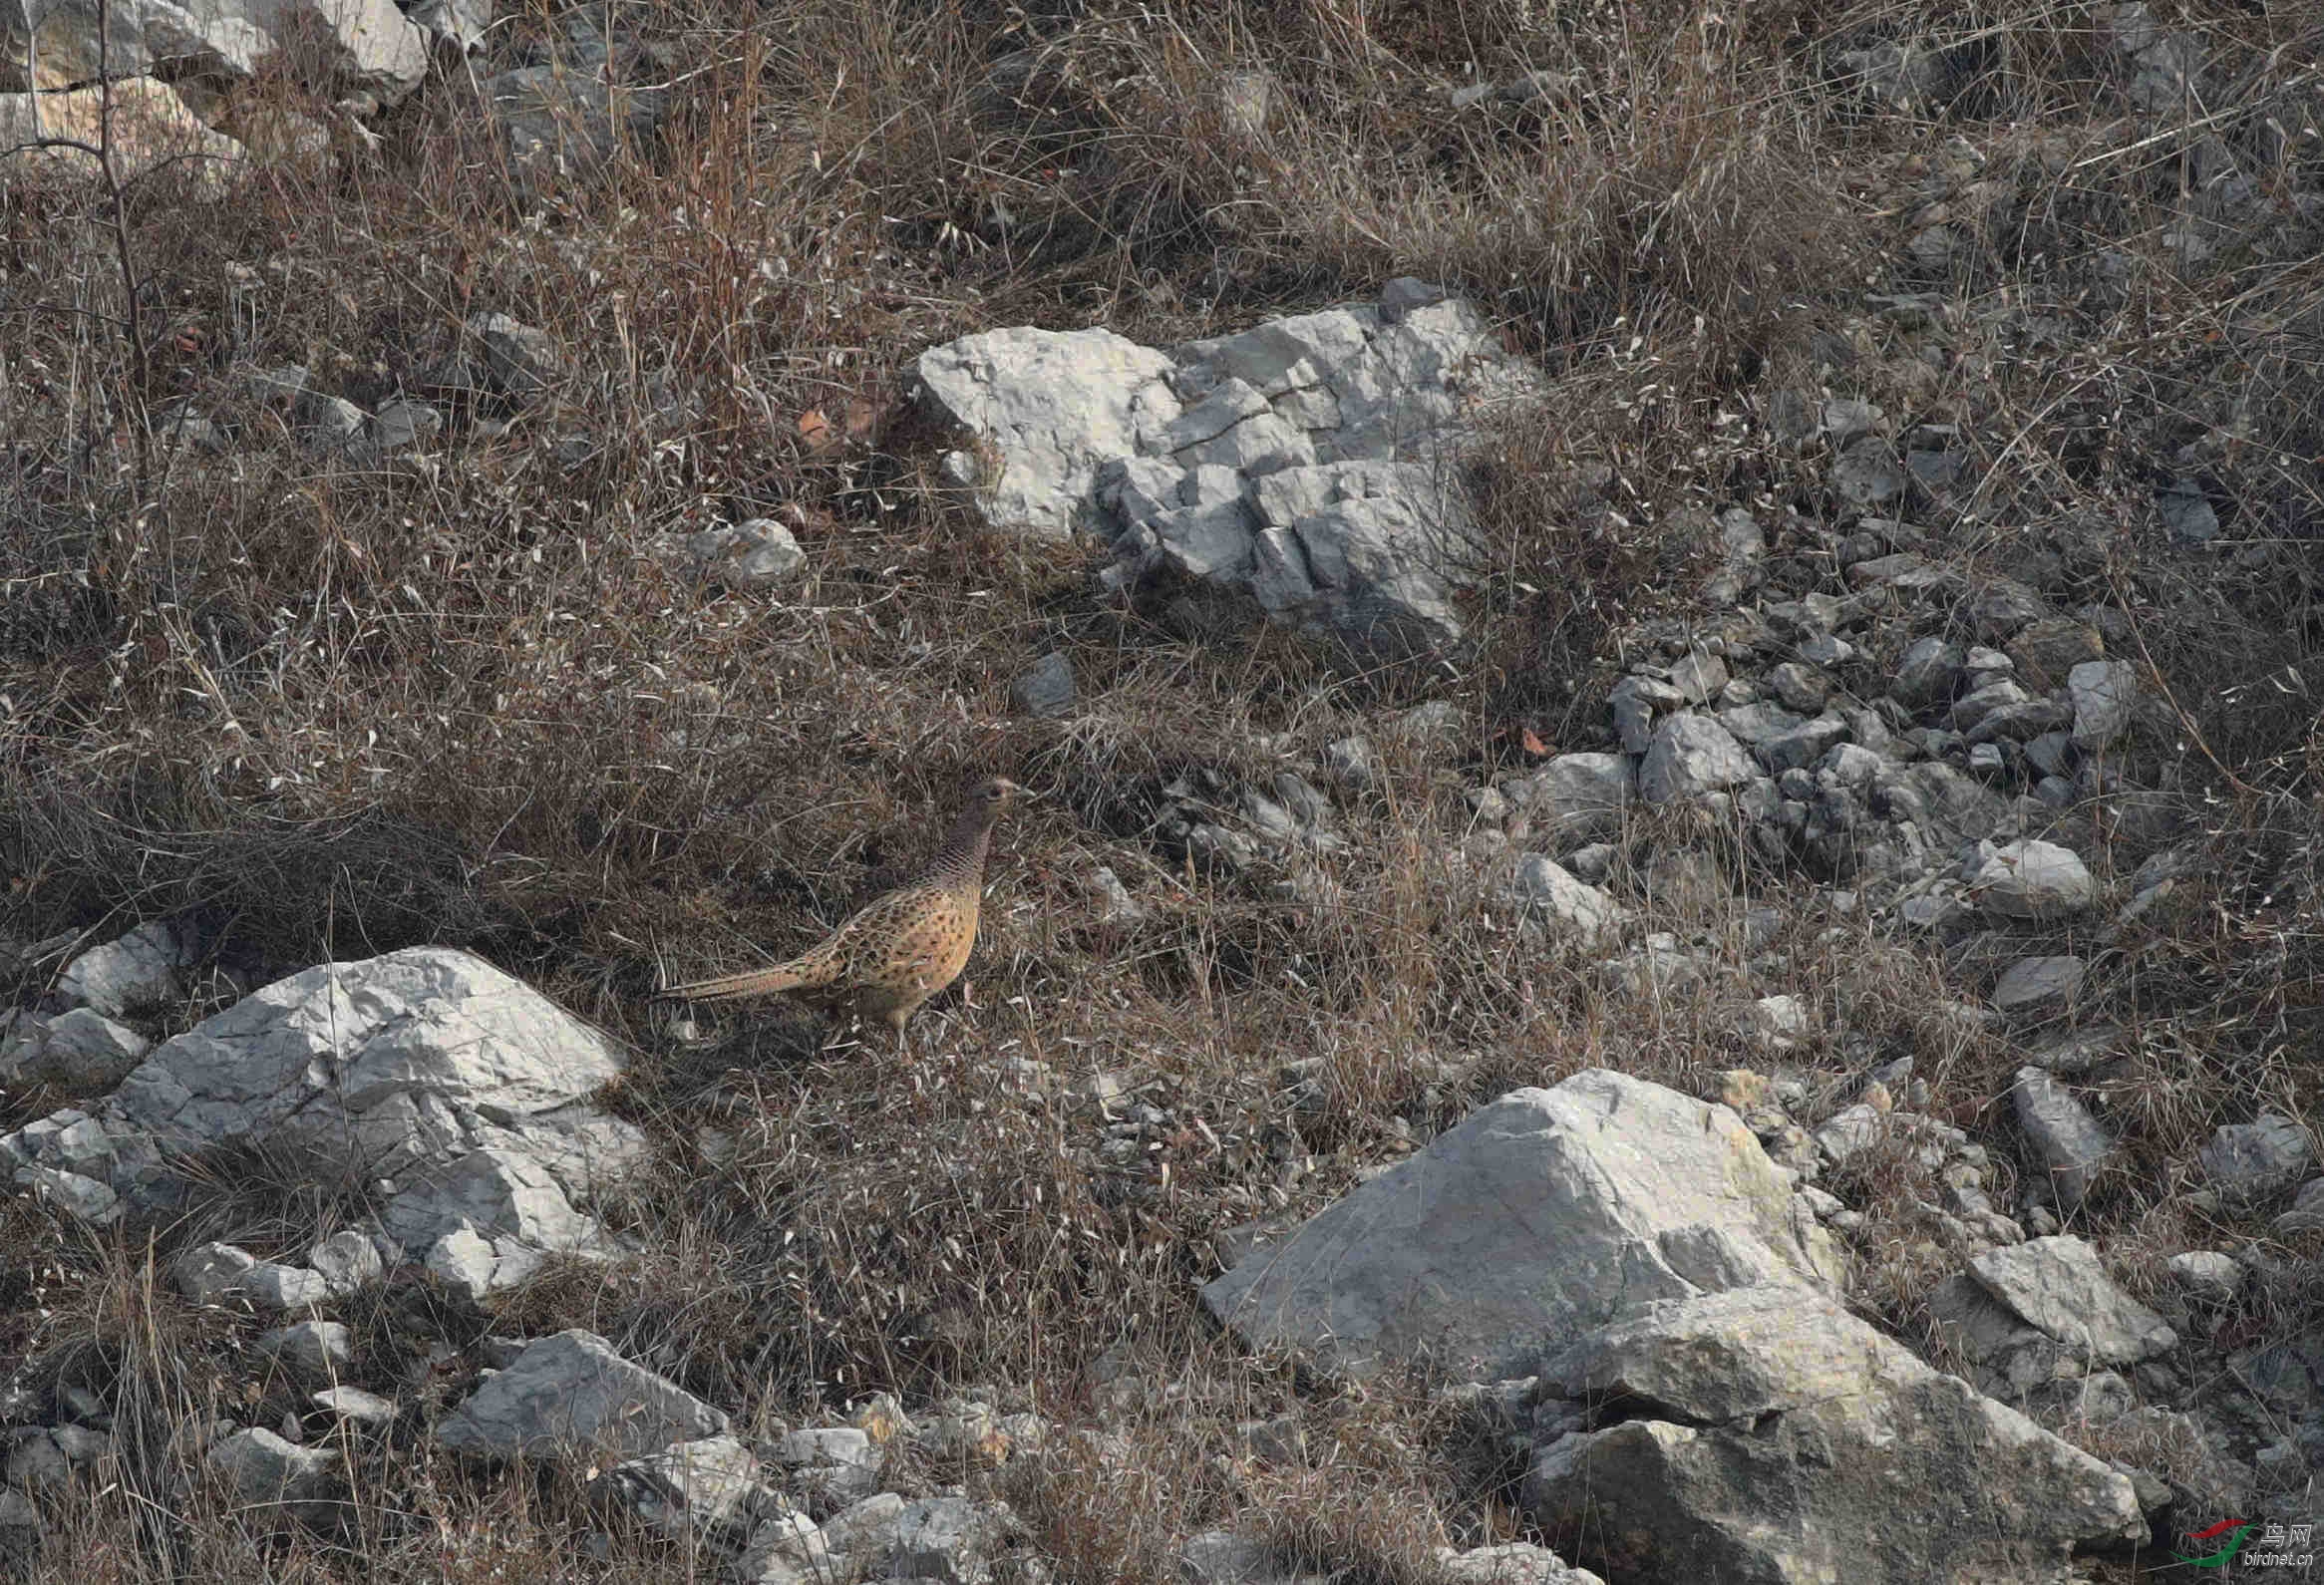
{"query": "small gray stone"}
[(1046, 688), (1698, 676), (1973, 707), (2307, 1212), (834, 1465), (1926, 673), (1579, 794), (2066, 1141), (2037, 987), (271, 1286), (2245, 1160), (787, 1549), (321, 1351), (347, 1261), (82, 1198), (211, 1273), (135, 974), (2105, 694), (2207, 1275), (1803, 746), (864, 1532), (1867, 474), (950, 1540), (1576, 908), (2031, 880), (1636, 701), (1690, 755), (755, 554), (353, 1403), (85, 1052), (1801, 687), (2185, 513), (520, 360), (260, 1467), (710, 1489), (17, 1511)]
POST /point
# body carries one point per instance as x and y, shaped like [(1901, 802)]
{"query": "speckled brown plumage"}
[(900, 948)]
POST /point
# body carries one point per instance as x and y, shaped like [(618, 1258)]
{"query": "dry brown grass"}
[(328, 709)]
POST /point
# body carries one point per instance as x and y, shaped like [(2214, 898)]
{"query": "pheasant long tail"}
[(756, 982)]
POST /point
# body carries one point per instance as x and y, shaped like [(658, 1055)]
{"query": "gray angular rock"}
[(1576, 909), (949, 1539), (2031, 880), (1046, 688), (1690, 755), (499, 1193), (833, 1466), (1532, 1221), (347, 1261), (475, 1267), (755, 554), (572, 1392), (321, 1351), (2185, 513), (281, 1289), (1754, 723), (356, 1404), (388, 1067), (2307, 1211), (709, 1490), (1801, 687), (1579, 794), (1774, 1422), (2105, 695), (1057, 404), (2036, 987), (262, 1469), (2067, 1143), (211, 1273), (82, 1198), (1298, 464), (786, 1550), (1867, 476), (1803, 746), (2245, 1160), (2207, 1275), (81, 1051), (2057, 1286), (571, 124), (1635, 701), (135, 974), (864, 1533)]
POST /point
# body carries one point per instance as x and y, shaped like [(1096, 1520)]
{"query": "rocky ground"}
[(1670, 662)]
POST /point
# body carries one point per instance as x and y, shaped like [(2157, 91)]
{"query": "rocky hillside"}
[(1669, 663)]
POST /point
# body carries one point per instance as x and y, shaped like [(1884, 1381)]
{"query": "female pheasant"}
[(898, 950)]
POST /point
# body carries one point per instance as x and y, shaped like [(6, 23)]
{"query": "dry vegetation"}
[(324, 709)]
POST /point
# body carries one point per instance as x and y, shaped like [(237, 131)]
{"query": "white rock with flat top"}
[(1305, 470), (465, 1090), (1536, 1219)]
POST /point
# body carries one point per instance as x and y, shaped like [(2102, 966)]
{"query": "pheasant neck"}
[(963, 852)]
